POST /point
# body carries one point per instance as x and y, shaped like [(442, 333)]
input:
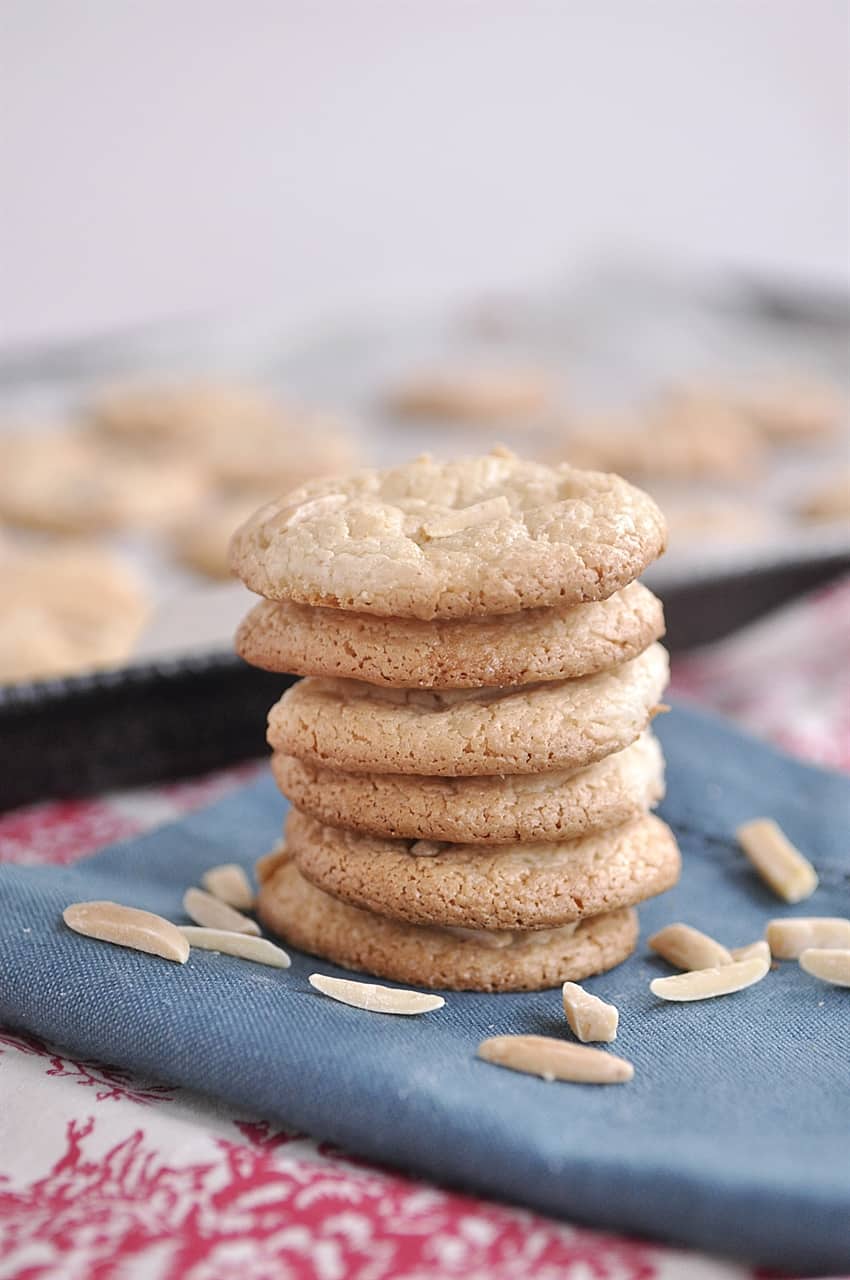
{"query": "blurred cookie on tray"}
[(829, 501), (201, 543), (795, 410), (475, 395), (676, 442), (699, 519), (67, 608), (65, 481), (239, 436)]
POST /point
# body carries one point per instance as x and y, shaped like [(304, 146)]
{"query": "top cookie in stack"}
[(470, 758)]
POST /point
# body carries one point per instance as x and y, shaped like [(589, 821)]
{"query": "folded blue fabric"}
[(734, 1135)]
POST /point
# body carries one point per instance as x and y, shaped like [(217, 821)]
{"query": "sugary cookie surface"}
[(492, 534)]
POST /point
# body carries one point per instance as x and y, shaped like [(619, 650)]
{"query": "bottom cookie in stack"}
[(452, 959), (489, 918)]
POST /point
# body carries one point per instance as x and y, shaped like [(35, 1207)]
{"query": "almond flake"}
[(589, 1017), (758, 948), (555, 1059), (206, 910), (244, 945), (830, 964), (229, 884), (444, 526), (368, 995), (790, 875), (703, 984), (789, 936), (128, 927), (688, 948), (426, 848)]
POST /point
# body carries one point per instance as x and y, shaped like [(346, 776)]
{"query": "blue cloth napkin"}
[(733, 1137)]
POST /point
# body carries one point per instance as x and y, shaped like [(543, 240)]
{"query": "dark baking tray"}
[(167, 720)]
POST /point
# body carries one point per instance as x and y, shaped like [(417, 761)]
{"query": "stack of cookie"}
[(469, 760)]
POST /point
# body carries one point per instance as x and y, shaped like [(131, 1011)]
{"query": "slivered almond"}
[(314, 507), (426, 848), (244, 945), (688, 948), (703, 984), (206, 910), (830, 964), (589, 1017), (555, 1059), (443, 526), (128, 927), (758, 948), (368, 995), (791, 876), (789, 936), (265, 867), (229, 884)]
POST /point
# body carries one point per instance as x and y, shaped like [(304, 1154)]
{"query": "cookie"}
[(66, 609), (202, 542), (830, 500), (405, 653), (518, 886), (313, 921), (67, 482), (182, 414), (458, 539), (240, 436), (474, 395), (683, 441), (715, 522), (495, 810), (361, 728), (784, 410)]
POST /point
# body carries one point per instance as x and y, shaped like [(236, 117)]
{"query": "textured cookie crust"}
[(495, 810), (405, 653), (458, 539), (522, 886), (361, 728), (312, 921)]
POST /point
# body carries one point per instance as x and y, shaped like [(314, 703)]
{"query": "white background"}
[(170, 156)]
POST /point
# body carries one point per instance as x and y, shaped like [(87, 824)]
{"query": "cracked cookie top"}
[(485, 535)]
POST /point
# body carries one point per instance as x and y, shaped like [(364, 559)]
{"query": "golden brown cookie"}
[(313, 921), (520, 886), (201, 543), (69, 482), (685, 440), (241, 436), (405, 653), (361, 728), (830, 501), (794, 410), (495, 810), (483, 395), (459, 539), (183, 413), (66, 609)]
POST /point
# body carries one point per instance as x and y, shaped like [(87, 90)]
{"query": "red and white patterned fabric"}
[(107, 1177)]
